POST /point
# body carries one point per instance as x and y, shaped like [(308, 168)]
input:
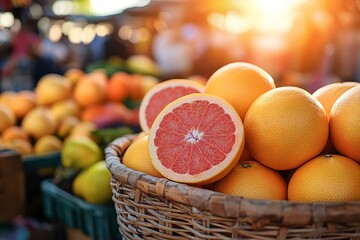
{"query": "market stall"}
[(138, 119)]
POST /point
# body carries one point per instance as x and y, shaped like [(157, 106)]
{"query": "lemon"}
[(93, 184), (80, 152)]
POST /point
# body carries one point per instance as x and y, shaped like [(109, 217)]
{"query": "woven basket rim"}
[(282, 212)]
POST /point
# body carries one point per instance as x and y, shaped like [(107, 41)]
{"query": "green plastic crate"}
[(38, 168), (96, 221), (38, 164)]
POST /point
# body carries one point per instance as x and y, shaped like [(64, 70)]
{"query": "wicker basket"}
[(157, 208)]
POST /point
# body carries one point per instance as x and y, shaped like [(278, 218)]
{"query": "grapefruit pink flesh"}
[(197, 138), (162, 94)]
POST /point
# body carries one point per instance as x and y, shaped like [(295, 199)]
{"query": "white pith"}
[(194, 136)]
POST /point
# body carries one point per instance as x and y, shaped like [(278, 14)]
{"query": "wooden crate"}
[(12, 185)]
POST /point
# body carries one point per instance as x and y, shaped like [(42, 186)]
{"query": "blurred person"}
[(114, 46), (17, 69), (5, 52), (172, 52), (49, 57), (347, 47)]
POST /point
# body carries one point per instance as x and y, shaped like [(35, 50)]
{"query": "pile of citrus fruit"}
[(74, 114), (239, 134), (78, 103)]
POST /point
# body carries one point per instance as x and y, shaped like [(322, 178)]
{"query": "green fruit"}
[(80, 152), (142, 64), (93, 184)]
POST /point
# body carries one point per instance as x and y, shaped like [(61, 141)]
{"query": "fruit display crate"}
[(95, 221), (38, 168), (163, 209), (12, 185), (43, 164)]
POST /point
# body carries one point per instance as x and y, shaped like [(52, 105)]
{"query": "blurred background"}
[(307, 43)]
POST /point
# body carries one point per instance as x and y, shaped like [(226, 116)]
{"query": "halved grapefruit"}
[(198, 138), (162, 94)]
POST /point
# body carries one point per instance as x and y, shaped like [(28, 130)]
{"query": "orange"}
[(135, 87), (117, 87), (74, 75), (245, 156), (23, 147), (285, 127), (160, 95), (22, 103), (90, 91), (240, 84), (52, 88), (326, 178), (6, 96), (198, 138), (345, 124), (7, 117), (328, 94), (15, 132), (137, 157), (251, 179)]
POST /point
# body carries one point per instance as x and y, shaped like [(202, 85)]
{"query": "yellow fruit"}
[(52, 88), (251, 179), (142, 64), (137, 157), (147, 82), (240, 84), (74, 75), (80, 152), (83, 129), (6, 96), (7, 117), (93, 184), (39, 122), (66, 125), (47, 144), (139, 136), (64, 108)]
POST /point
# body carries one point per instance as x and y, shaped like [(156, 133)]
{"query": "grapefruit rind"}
[(240, 83), (217, 170), (172, 83)]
